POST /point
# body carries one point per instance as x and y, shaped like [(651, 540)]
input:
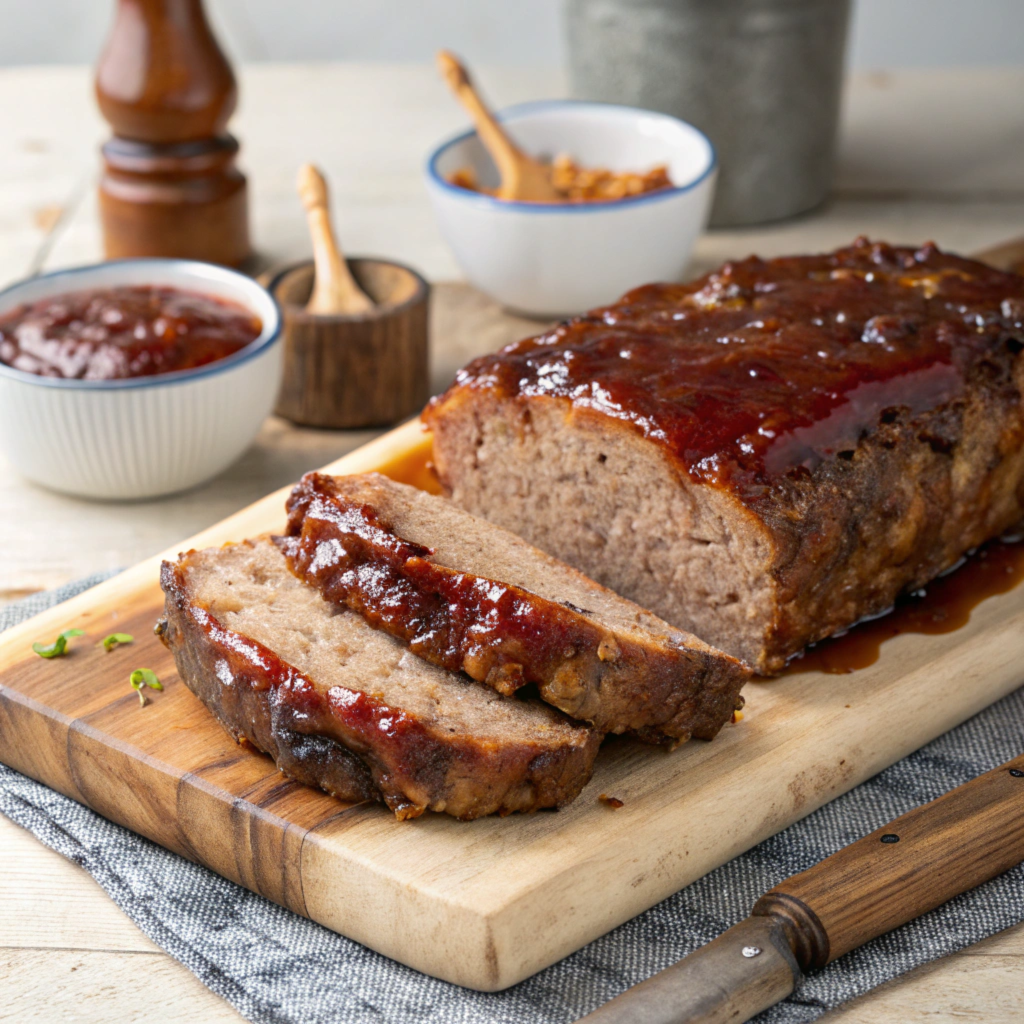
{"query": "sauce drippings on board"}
[(415, 468), (942, 607), (129, 331)]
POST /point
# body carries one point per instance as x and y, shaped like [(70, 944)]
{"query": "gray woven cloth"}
[(278, 968)]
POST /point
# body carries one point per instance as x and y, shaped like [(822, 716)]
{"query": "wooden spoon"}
[(522, 177), (334, 288)]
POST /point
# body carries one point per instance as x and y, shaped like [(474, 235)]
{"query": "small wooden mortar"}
[(361, 370)]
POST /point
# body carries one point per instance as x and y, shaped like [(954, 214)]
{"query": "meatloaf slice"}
[(765, 455), (345, 707), (465, 594)]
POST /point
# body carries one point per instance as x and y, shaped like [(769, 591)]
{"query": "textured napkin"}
[(278, 968)]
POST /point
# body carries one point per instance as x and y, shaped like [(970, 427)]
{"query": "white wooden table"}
[(924, 155)]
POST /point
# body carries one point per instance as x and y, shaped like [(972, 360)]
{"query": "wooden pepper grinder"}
[(170, 186)]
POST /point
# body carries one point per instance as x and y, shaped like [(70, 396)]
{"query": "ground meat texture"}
[(765, 455), (467, 595), (346, 708)]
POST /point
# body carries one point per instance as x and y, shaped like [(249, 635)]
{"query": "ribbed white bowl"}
[(549, 259), (146, 436)]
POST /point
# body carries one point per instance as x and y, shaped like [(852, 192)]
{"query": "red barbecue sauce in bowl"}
[(123, 332)]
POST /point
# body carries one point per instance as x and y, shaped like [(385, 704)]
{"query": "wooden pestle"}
[(522, 177), (334, 288)]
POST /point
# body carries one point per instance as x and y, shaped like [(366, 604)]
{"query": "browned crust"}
[(881, 519), (905, 502), (340, 742), (501, 634)]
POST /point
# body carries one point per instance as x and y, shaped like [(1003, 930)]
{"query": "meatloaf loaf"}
[(762, 456), (467, 595), (345, 707)]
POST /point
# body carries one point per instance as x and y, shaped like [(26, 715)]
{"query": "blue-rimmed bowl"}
[(145, 436), (550, 259)]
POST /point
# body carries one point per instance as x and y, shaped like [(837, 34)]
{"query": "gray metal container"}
[(762, 78)]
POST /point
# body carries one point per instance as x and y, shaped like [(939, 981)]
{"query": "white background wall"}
[(886, 33)]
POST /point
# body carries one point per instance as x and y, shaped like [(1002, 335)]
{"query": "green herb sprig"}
[(108, 643), (59, 646), (144, 677)]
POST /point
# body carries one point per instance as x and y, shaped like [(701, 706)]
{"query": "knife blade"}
[(897, 873), (743, 971)]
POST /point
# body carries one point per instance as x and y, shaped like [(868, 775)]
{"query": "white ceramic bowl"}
[(144, 436), (552, 259)]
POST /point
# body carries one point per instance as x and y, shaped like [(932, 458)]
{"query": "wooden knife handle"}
[(910, 866)]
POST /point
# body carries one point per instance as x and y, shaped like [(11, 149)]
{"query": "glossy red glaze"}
[(462, 622), (114, 333), (339, 712), (412, 759), (767, 366)]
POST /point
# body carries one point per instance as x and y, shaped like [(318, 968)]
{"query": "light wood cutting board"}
[(487, 903)]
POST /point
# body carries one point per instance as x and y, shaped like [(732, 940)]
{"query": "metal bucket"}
[(762, 78)]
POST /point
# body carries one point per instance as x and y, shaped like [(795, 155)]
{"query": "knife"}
[(912, 865)]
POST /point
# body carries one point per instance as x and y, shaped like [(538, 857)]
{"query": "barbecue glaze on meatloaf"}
[(762, 456), (345, 707), (466, 595)]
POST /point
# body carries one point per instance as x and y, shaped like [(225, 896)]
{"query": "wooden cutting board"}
[(486, 903)]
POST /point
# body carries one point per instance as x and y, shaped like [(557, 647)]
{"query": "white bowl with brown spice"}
[(550, 259)]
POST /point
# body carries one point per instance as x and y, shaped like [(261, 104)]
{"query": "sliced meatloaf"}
[(765, 455), (345, 707), (465, 594)]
